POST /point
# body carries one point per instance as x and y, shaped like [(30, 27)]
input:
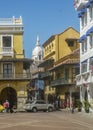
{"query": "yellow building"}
[(61, 63), (14, 67)]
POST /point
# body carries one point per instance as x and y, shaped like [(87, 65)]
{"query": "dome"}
[(37, 50), (37, 53)]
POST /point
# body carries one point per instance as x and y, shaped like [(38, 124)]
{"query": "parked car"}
[(38, 105)]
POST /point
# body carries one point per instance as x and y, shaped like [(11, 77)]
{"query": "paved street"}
[(46, 121)]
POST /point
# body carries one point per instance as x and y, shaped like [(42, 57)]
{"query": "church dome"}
[(37, 53)]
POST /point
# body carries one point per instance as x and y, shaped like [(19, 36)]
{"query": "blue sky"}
[(40, 17)]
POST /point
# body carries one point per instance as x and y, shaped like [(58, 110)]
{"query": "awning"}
[(83, 62), (82, 38), (91, 58), (84, 10), (79, 15), (87, 4), (91, 1), (89, 31)]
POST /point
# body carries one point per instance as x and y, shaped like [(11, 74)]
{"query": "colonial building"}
[(85, 79), (61, 58), (14, 67)]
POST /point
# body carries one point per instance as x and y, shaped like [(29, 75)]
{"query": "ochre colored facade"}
[(61, 63), (14, 67)]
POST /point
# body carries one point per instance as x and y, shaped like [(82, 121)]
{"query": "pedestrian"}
[(6, 106), (11, 108), (72, 107), (67, 104)]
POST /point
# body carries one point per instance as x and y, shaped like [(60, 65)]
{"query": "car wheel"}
[(50, 109), (34, 109), (44, 110)]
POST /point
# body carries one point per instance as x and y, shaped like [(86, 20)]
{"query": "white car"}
[(39, 105)]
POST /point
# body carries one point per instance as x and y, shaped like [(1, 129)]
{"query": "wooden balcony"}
[(62, 81), (44, 74)]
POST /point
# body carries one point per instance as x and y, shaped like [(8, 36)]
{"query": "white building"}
[(37, 84), (37, 54), (85, 79)]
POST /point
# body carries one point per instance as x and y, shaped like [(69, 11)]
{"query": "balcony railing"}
[(7, 51), (84, 78), (9, 21), (15, 76), (62, 81)]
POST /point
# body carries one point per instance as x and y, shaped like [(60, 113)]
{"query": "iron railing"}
[(62, 81)]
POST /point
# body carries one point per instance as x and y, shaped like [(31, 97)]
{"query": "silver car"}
[(39, 105)]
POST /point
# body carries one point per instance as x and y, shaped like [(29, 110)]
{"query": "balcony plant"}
[(87, 106), (79, 105)]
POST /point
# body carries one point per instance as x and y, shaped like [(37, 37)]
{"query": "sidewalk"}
[(82, 113)]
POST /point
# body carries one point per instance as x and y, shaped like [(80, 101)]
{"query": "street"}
[(57, 120)]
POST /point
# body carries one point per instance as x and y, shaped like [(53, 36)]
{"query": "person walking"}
[(72, 106), (6, 106), (11, 108)]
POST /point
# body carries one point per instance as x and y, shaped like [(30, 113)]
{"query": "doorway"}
[(10, 94)]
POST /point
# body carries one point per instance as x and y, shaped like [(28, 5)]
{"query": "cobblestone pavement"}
[(58, 120)]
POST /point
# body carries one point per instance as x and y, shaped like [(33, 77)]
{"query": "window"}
[(84, 67), (85, 19), (91, 64), (58, 74), (70, 43), (85, 45), (91, 41), (91, 12), (82, 46), (66, 74), (52, 45), (6, 40), (7, 70), (77, 71), (82, 22), (40, 102)]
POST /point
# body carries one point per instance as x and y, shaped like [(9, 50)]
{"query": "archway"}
[(10, 94)]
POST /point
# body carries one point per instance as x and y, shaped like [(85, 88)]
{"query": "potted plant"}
[(87, 106), (79, 105)]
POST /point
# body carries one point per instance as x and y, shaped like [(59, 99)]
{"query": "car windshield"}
[(29, 102)]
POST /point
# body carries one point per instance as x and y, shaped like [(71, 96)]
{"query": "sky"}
[(40, 17)]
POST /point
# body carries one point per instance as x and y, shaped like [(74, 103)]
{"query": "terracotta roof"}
[(66, 62)]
